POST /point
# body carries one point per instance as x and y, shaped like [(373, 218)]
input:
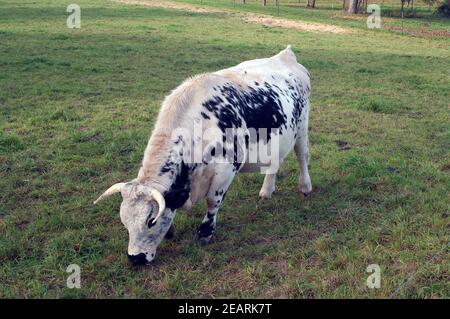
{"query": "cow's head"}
[(143, 213)]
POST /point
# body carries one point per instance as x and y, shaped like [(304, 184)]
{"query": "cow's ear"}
[(175, 198)]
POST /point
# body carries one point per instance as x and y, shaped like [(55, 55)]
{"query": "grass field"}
[(77, 107)]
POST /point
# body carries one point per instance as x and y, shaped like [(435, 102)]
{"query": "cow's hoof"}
[(169, 234), (265, 195), (205, 232), (306, 189), (204, 241)]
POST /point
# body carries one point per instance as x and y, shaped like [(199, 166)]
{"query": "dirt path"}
[(172, 5), (247, 17)]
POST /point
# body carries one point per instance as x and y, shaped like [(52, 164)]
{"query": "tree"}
[(311, 3), (444, 8), (353, 6), (410, 5)]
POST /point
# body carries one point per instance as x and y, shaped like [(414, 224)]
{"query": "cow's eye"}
[(150, 221)]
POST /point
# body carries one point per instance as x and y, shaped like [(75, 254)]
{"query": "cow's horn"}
[(161, 203), (116, 188)]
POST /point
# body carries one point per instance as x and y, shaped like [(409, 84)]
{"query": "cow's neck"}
[(164, 169)]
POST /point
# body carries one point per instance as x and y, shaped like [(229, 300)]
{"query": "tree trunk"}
[(353, 6)]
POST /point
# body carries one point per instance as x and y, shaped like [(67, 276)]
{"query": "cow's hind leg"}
[(214, 199), (268, 186), (302, 152)]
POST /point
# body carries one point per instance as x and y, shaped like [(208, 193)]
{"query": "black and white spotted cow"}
[(243, 119)]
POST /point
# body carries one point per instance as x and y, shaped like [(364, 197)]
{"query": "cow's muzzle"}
[(136, 260)]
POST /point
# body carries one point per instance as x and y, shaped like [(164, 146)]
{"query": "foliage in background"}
[(444, 8), (77, 107)]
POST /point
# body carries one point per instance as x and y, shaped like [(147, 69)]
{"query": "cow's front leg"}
[(170, 232), (208, 225), (214, 199)]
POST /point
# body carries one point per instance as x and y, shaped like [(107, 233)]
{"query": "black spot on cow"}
[(256, 107), (167, 167), (178, 192), (178, 140), (219, 192), (205, 116), (238, 154)]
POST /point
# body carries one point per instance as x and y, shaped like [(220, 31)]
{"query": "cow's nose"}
[(137, 259)]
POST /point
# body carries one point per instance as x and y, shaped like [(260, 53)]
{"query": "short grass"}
[(77, 108)]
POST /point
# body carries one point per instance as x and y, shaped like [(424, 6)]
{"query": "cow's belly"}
[(252, 167), (266, 158)]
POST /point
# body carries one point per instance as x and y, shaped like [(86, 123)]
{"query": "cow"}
[(181, 167)]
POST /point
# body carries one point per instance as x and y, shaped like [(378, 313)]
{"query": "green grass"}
[(77, 108)]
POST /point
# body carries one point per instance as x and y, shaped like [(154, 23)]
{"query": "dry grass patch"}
[(265, 20)]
